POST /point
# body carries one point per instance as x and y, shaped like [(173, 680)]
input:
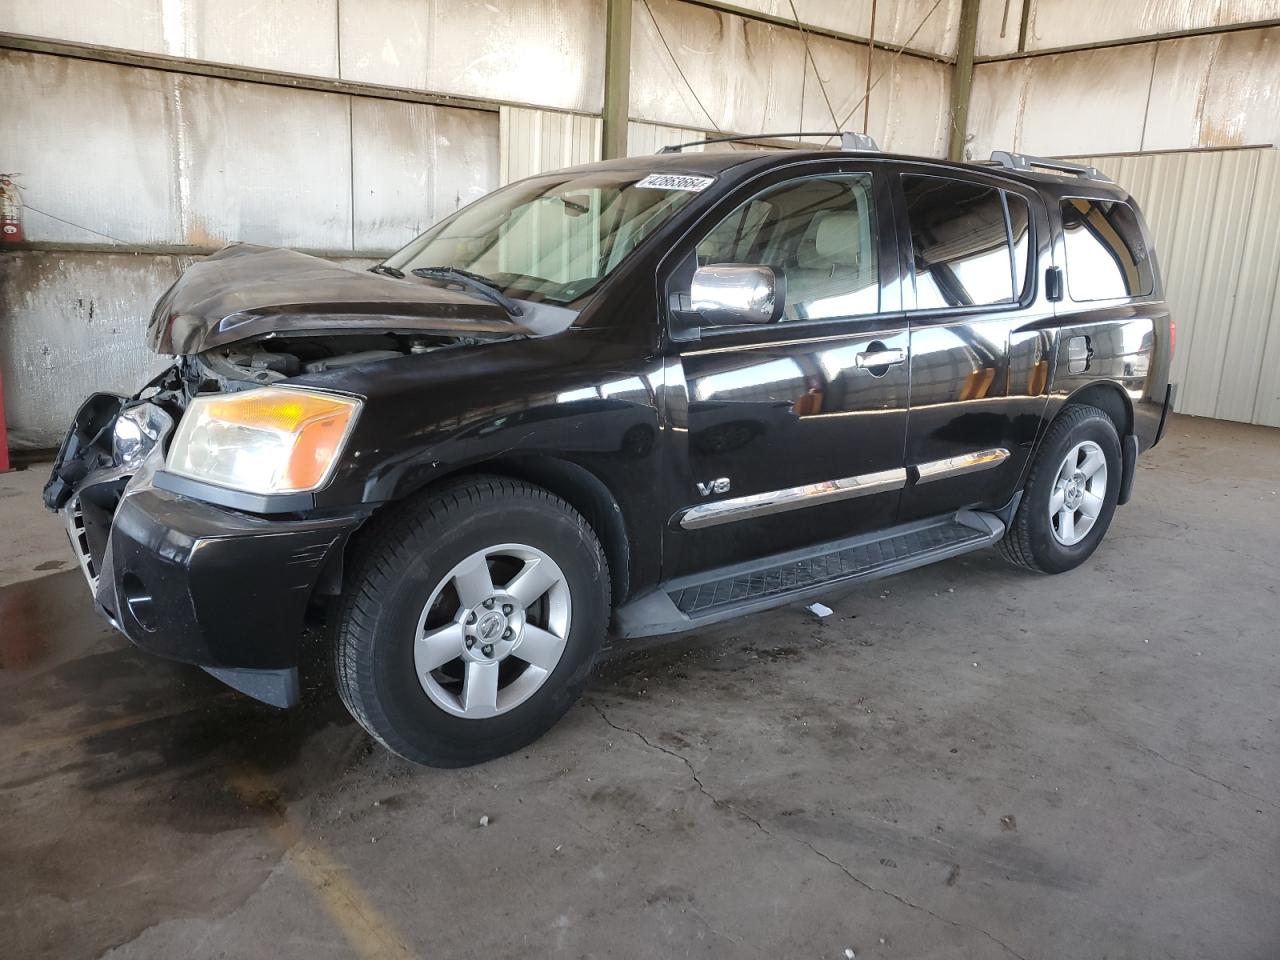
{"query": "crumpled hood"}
[(248, 292)]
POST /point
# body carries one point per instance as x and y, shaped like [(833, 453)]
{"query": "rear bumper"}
[(225, 591)]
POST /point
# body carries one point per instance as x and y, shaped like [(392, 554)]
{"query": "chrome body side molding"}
[(959, 465), (791, 498)]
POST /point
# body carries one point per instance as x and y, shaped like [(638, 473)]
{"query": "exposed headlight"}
[(136, 432), (269, 440)]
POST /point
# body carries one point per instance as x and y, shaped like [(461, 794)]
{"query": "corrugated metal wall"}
[(534, 141), (1216, 220)]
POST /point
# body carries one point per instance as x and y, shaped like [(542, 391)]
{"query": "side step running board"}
[(784, 578)]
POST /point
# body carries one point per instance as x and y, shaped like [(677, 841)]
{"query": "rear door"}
[(789, 434), (979, 360)]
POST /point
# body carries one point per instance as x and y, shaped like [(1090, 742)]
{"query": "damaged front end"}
[(182, 578), (112, 439), (180, 556)]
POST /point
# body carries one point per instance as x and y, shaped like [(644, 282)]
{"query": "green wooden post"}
[(962, 78), (617, 78)]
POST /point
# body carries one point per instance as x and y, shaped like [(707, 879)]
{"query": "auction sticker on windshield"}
[(675, 181)]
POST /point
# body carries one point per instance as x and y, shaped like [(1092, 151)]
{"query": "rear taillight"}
[(1173, 338)]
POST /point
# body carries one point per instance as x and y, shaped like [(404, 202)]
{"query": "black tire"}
[(1030, 541), (399, 561)]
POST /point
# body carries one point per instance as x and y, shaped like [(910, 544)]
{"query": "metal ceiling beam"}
[(962, 78), (1132, 41), (617, 78), (274, 78)]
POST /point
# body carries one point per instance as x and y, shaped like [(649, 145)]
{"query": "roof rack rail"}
[(852, 142), (1023, 161)]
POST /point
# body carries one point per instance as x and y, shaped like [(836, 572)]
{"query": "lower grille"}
[(79, 536)]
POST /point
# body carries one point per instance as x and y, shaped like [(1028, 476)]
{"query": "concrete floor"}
[(966, 761)]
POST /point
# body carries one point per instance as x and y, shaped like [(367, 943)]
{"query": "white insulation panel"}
[(1208, 91), (1052, 24), (415, 164), (934, 25), (150, 158), (1055, 23), (295, 36), (90, 144), (261, 163), (773, 89), (999, 23), (549, 53), (1215, 216)]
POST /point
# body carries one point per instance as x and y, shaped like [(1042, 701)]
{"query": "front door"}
[(789, 434)]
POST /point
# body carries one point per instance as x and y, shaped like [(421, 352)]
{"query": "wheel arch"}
[(1109, 397), (586, 493), (571, 482)]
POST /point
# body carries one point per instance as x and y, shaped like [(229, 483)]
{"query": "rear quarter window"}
[(1106, 255)]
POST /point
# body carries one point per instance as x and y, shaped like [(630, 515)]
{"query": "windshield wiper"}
[(472, 281), (387, 271)]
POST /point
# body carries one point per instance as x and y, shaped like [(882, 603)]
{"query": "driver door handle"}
[(879, 358)]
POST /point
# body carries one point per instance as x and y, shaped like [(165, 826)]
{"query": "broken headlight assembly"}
[(136, 432), (263, 441)]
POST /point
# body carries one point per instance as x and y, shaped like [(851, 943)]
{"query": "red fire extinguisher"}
[(10, 210)]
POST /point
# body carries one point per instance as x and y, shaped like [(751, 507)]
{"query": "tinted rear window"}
[(1106, 256), (964, 252)]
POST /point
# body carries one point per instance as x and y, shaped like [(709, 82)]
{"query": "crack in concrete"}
[(1150, 751), (721, 934), (212, 919), (738, 811)]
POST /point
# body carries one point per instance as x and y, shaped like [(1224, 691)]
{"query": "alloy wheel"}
[(1079, 490), (492, 631)]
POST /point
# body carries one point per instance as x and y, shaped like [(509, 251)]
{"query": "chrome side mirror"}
[(737, 293)]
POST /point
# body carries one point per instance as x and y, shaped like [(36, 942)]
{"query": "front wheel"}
[(1070, 495), (471, 621)]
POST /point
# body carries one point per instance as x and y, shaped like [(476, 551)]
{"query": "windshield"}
[(551, 238)]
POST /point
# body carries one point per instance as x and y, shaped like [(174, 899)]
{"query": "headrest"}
[(832, 241)]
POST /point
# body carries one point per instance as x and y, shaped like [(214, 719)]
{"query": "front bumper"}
[(190, 581)]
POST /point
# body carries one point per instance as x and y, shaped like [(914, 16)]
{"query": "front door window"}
[(817, 233)]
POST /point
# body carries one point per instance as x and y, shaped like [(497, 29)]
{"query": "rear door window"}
[(1106, 255), (962, 247)]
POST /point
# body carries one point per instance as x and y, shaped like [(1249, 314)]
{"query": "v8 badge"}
[(714, 486)]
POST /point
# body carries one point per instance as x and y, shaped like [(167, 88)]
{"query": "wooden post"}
[(617, 78), (962, 78)]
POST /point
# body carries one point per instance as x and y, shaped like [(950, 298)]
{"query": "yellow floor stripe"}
[(370, 934)]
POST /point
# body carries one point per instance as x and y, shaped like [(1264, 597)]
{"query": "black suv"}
[(626, 399)]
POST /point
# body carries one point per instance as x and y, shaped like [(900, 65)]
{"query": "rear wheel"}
[(1070, 494), (471, 622)]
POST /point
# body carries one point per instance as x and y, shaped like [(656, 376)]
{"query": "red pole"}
[(4, 433)]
